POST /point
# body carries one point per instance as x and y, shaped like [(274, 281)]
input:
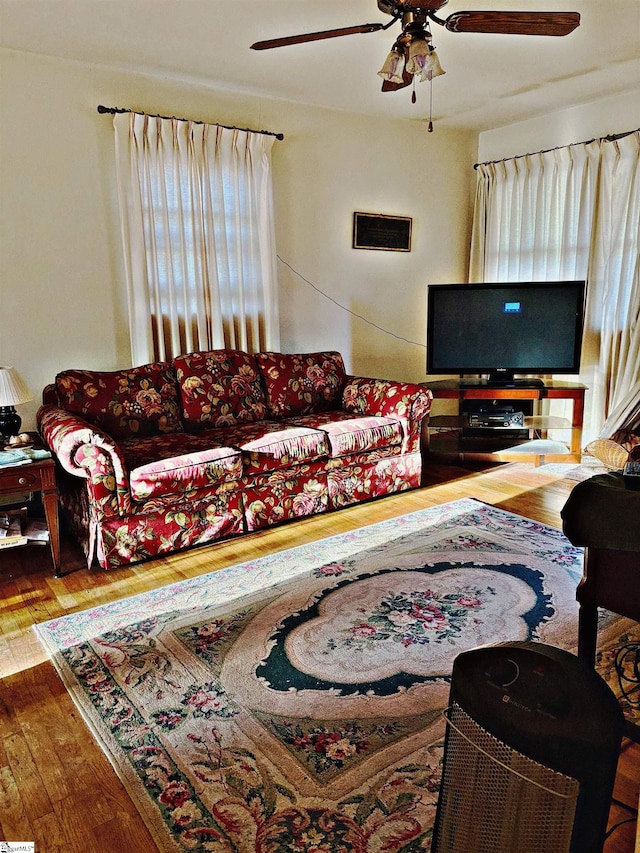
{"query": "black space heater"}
[(531, 750)]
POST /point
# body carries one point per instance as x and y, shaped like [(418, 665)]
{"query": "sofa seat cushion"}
[(164, 466), (347, 435), (219, 388), (302, 383), (141, 401), (270, 445)]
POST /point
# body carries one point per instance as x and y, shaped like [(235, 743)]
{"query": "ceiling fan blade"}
[(389, 86), (514, 23), (324, 34)]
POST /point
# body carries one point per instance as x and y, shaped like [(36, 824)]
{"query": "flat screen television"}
[(499, 330)]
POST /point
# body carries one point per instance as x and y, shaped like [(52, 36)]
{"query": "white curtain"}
[(197, 228), (534, 216), (572, 213), (615, 273)]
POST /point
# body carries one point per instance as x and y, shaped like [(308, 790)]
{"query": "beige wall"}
[(63, 299), (599, 118), (390, 168)]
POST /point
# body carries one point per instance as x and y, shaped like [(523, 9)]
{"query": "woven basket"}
[(610, 453)]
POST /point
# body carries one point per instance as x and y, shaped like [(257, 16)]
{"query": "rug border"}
[(103, 740)]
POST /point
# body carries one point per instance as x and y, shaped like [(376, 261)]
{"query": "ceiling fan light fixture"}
[(433, 67), (418, 54), (423, 60), (393, 66)]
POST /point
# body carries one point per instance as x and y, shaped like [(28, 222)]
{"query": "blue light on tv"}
[(512, 307)]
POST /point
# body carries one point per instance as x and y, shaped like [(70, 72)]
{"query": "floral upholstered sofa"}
[(214, 444)]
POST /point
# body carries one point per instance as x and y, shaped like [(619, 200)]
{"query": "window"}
[(196, 210)]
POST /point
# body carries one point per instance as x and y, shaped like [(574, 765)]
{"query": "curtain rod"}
[(114, 110), (612, 137)]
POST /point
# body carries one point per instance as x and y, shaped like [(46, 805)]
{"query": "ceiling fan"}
[(413, 55)]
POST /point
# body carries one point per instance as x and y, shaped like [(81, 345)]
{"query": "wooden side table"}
[(38, 476)]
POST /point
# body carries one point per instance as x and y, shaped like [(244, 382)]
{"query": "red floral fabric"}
[(165, 529), (348, 435), (185, 473), (298, 384), (124, 403), (373, 476), (145, 451), (176, 467), (284, 495), (135, 488), (176, 464), (386, 398), (88, 452), (50, 395), (269, 445), (219, 388)]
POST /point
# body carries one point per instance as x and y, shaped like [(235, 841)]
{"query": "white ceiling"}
[(491, 80)]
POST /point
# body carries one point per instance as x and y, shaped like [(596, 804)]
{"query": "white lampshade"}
[(13, 391), (433, 67), (423, 61), (393, 67)]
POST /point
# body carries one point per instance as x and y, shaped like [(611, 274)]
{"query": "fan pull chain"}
[(413, 93), (430, 125)]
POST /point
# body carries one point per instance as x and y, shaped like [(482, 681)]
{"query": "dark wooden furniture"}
[(453, 389), (603, 516), (38, 476)]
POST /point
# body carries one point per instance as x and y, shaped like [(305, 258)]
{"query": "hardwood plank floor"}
[(57, 787)]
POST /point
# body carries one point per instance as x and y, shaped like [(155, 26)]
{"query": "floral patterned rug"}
[(294, 703)]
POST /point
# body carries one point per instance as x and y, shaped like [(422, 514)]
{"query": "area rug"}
[(577, 473), (294, 703)]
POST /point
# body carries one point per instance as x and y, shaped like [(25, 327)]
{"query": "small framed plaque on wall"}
[(385, 233)]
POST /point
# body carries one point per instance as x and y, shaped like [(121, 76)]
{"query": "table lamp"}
[(13, 391)]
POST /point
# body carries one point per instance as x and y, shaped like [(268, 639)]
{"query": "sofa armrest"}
[(50, 395), (409, 402), (87, 451)]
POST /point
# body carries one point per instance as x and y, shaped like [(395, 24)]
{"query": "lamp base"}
[(10, 422)]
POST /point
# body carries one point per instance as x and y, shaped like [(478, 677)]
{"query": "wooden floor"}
[(58, 789)]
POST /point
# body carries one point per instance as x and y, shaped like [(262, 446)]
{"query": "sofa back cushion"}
[(302, 383), (219, 388), (142, 401)]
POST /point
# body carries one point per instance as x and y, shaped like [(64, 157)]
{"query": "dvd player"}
[(497, 418)]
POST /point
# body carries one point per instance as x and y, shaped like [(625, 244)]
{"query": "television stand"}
[(444, 433), (531, 382)]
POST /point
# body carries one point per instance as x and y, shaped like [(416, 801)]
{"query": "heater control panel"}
[(532, 686)]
